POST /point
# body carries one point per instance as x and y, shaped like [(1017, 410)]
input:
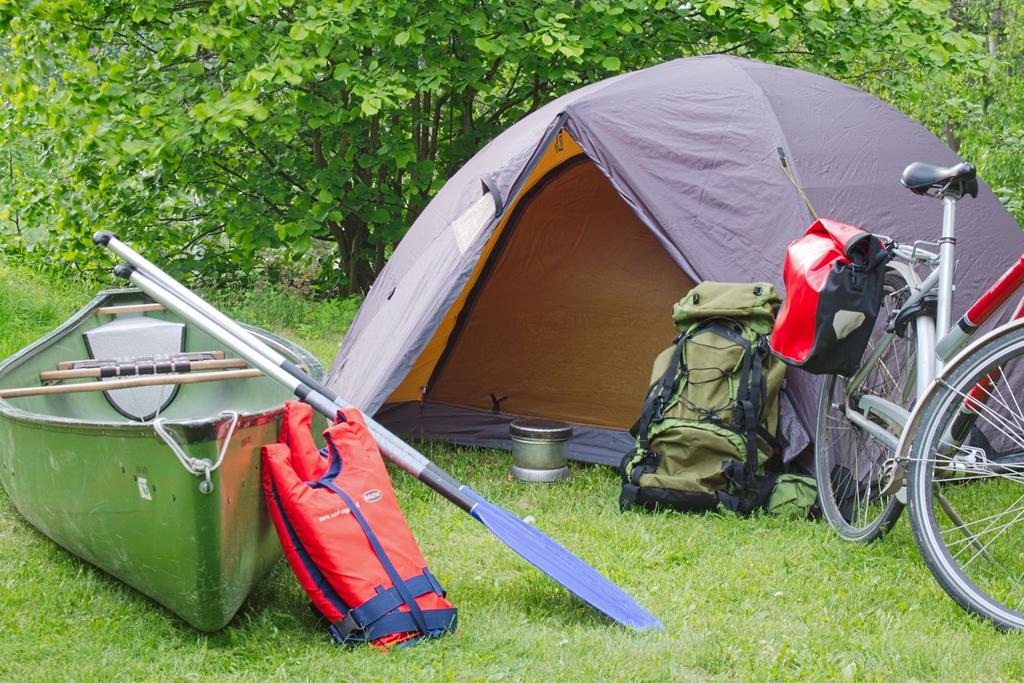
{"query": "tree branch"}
[(275, 166), (318, 150)]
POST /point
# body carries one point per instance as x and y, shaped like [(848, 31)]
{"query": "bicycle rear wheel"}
[(966, 480), (851, 466)]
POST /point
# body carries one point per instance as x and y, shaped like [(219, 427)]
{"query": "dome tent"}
[(540, 280)]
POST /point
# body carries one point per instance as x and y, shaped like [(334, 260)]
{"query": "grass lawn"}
[(741, 599)]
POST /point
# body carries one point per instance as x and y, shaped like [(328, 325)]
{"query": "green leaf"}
[(134, 147), (401, 38), (611, 63), (370, 106), (484, 45), (343, 72), (260, 75), (298, 31)]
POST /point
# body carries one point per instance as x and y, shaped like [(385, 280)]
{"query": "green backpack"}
[(711, 415), (794, 495)]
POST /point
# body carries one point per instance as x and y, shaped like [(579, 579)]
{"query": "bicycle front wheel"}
[(966, 481), (851, 466)]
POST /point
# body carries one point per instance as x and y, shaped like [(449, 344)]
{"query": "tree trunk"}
[(356, 233), (995, 31)]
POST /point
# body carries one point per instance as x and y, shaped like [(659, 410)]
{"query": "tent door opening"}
[(575, 280)]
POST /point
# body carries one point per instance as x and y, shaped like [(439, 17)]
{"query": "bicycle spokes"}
[(967, 481)]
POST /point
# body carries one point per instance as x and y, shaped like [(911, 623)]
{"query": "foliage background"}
[(246, 140)]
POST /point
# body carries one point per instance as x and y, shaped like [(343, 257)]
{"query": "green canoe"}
[(90, 470)]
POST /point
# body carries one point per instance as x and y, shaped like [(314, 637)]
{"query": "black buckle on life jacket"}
[(346, 630)]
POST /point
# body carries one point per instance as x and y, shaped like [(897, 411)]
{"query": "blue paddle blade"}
[(553, 559)]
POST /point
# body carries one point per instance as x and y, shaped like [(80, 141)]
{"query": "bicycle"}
[(917, 426)]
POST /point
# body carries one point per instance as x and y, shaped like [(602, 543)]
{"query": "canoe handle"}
[(197, 466)]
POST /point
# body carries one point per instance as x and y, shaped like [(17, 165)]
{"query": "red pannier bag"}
[(834, 276), (345, 537)]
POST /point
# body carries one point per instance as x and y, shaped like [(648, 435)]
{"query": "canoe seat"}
[(140, 361)]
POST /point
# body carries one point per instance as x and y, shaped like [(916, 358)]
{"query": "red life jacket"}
[(345, 537), (834, 276)]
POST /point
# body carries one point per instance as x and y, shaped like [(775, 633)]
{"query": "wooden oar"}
[(114, 385), (115, 370)]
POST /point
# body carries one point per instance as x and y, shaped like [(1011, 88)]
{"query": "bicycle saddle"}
[(956, 180)]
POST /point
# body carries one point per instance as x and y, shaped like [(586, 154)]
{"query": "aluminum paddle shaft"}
[(390, 445), (147, 277), (544, 553)]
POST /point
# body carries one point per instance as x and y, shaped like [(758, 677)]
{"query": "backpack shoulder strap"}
[(657, 396), (661, 391)]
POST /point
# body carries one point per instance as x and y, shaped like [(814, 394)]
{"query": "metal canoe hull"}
[(122, 502), (112, 493)]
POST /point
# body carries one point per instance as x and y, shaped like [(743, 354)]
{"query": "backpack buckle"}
[(762, 344), (659, 405), (744, 415)]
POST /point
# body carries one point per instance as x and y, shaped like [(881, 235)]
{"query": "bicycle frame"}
[(931, 353), (917, 441)]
